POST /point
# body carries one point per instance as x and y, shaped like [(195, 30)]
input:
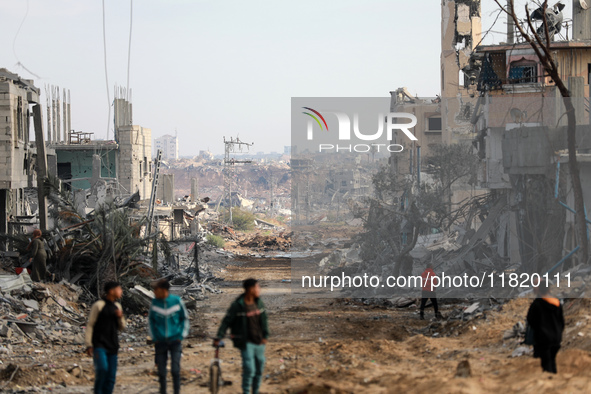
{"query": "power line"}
[(129, 46), (18, 62), (106, 74)]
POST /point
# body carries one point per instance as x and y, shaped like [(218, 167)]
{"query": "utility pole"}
[(41, 167), (272, 203), (232, 146)]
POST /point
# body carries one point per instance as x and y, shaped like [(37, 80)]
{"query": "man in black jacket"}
[(247, 320), (547, 322)]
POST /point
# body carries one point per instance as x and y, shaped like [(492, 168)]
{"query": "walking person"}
[(168, 323), (248, 323), (428, 292), (545, 318), (38, 257), (102, 337)]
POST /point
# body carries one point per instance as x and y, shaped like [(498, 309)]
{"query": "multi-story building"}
[(126, 162), (445, 118), (169, 146), (17, 154), (520, 126)]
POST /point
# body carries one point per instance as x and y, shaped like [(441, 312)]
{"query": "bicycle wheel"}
[(214, 378)]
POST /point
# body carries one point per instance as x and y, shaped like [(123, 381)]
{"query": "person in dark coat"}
[(248, 322), (546, 320), (38, 258)]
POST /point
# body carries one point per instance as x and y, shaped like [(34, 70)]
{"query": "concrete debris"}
[(32, 304), (268, 242), (14, 282), (5, 331), (522, 351), (463, 369), (44, 312), (402, 302), (472, 308), (518, 331), (341, 258)]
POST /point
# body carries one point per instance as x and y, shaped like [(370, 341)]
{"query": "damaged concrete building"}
[(17, 153), (446, 118), (124, 164), (520, 128), (96, 170)]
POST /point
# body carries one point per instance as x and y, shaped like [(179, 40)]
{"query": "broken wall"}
[(461, 31), (16, 159), (75, 163), (134, 163)]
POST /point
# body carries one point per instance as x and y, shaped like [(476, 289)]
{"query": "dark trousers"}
[(175, 350), (39, 271), (547, 354), (426, 296), (105, 371)]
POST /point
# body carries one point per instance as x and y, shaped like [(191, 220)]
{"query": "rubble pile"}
[(222, 230), (262, 242), (33, 313)]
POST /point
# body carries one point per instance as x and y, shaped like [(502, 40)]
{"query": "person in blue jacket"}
[(168, 322)]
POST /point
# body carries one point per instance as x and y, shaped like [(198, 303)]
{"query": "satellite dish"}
[(584, 4)]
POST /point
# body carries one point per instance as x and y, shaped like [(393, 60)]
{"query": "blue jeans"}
[(105, 371), (253, 363), (162, 350)]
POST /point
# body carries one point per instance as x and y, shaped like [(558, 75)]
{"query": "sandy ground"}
[(340, 346)]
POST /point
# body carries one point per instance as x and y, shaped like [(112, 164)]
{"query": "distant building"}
[(125, 161), (206, 155), (169, 146), (287, 150)]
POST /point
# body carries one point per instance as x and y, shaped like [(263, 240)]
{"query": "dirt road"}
[(341, 346)]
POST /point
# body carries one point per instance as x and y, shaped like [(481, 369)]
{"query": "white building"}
[(169, 146)]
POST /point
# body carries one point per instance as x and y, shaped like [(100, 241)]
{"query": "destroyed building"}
[(17, 153), (126, 161), (444, 119), (520, 128)]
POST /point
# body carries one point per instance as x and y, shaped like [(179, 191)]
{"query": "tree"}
[(401, 209), (542, 48)]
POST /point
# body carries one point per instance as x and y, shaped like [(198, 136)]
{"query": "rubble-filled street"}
[(317, 345)]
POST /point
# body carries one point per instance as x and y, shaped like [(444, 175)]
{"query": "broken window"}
[(523, 72), (19, 118), (434, 124)]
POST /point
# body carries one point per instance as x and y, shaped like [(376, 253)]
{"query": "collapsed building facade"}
[(445, 119), (124, 164), (18, 155), (520, 126), (497, 99)]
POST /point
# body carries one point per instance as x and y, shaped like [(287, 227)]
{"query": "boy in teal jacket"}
[(168, 323), (248, 323)]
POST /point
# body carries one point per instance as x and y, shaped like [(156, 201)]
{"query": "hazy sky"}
[(224, 68)]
